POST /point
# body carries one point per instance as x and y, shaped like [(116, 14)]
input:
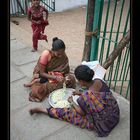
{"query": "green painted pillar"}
[(96, 26)]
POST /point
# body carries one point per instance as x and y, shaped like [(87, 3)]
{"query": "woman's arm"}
[(53, 77), (44, 74), (43, 61), (76, 107), (45, 58), (97, 84)]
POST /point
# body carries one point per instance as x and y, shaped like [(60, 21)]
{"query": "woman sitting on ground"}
[(97, 109), (50, 72)]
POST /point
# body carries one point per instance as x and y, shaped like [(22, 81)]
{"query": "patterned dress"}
[(101, 109), (36, 14)]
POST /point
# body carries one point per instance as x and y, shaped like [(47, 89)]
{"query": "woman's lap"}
[(71, 116), (42, 90)]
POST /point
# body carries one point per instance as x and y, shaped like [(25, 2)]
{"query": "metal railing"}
[(49, 4), (111, 28), (19, 7)]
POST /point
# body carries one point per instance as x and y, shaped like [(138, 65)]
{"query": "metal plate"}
[(61, 98)]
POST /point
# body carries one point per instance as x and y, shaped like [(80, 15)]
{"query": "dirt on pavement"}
[(67, 25)]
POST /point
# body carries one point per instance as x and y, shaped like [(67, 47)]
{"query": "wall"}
[(61, 5), (14, 7)]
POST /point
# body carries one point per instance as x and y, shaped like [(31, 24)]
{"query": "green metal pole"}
[(104, 34), (96, 26)]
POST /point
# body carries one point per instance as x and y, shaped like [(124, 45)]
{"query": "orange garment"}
[(56, 74)]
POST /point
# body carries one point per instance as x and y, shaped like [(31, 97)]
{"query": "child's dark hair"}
[(57, 44), (83, 72)]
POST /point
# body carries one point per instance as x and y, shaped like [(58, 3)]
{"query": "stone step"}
[(25, 36)]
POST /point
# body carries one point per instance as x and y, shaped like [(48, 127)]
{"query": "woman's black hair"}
[(57, 44), (83, 72)]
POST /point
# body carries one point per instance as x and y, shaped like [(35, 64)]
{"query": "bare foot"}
[(38, 110), (26, 85), (34, 99), (32, 111), (33, 50)]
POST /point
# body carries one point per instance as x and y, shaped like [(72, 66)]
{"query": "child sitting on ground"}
[(37, 78)]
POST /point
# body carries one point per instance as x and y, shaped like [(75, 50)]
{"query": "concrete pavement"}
[(41, 127)]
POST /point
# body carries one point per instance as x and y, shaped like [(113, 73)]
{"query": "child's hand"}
[(38, 22), (45, 22)]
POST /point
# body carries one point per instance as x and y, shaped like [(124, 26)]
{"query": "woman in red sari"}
[(38, 23), (50, 72), (97, 109)]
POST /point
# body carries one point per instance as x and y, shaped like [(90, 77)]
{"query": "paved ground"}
[(41, 127), (64, 25)]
